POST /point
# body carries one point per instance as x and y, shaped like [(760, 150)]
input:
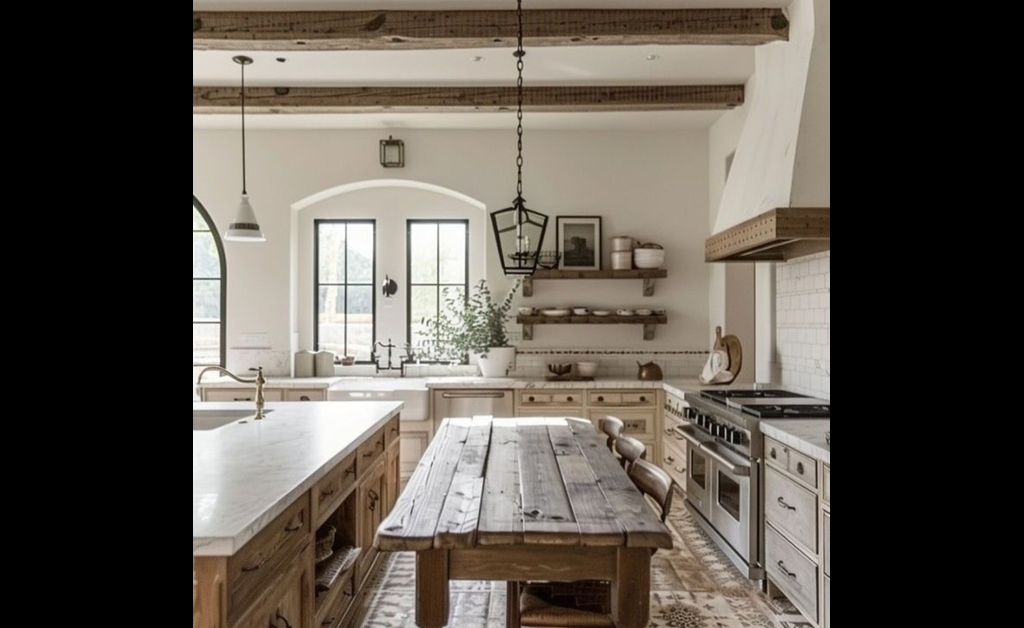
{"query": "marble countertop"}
[(245, 475), (804, 435), (675, 386), (287, 383)]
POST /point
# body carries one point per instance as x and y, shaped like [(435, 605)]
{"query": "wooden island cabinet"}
[(310, 566)]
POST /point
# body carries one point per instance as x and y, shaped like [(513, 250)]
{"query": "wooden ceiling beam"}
[(321, 100), (426, 30)]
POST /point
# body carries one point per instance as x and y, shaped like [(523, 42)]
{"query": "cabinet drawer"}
[(239, 394), (673, 460), (793, 573), (304, 395), (338, 601), (371, 451), (331, 490), (610, 399), (826, 537), (559, 398), (804, 469), (392, 431), (793, 509), (252, 570), (827, 482)]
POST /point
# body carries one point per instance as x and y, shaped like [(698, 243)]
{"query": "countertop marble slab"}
[(452, 383), (287, 383), (804, 435), (245, 475)]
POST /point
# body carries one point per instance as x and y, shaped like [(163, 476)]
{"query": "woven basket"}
[(325, 543)]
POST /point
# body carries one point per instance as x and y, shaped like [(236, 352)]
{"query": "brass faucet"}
[(259, 380)]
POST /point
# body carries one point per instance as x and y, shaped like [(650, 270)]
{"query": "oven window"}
[(729, 495), (698, 469)]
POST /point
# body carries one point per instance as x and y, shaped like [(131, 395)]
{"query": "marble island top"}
[(804, 435), (245, 475)]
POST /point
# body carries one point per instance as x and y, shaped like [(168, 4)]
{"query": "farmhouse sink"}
[(209, 420)]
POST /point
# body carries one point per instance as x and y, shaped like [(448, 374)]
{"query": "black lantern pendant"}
[(392, 153), (519, 231)]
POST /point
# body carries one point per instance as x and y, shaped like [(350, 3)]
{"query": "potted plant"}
[(473, 326)]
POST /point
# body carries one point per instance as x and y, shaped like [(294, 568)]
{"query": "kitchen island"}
[(284, 511)]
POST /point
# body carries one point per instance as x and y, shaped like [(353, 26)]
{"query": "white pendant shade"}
[(245, 228)]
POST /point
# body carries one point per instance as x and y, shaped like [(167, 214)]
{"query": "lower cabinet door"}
[(290, 603), (372, 504)]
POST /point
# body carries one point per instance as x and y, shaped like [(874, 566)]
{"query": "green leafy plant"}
[(473, 325)]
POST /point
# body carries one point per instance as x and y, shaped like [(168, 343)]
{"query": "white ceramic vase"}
[(498, 363)]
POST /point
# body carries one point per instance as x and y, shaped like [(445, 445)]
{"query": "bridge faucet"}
[(259, 380)]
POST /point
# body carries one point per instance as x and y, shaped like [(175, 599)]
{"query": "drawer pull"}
[(670, 460), (326, 494), (304, 398), (789, 574), (329, 622), (374, 498), (681, 471), (783, 504), (600, 399), (533, 399), (280, 617), (800, 468), (370, 454), (570, 399), (351, 470), (774, 454), (257, 566), (643, 399), (669, 431)]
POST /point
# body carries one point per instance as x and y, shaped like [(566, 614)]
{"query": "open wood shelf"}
[(648, 277), (649, 323)]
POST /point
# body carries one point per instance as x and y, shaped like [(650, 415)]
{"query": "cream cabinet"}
[(798, 524), (207, 393)]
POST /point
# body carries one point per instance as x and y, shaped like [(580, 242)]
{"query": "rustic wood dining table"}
[(528, 499)]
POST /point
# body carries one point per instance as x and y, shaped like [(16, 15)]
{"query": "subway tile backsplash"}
[(803, 321)]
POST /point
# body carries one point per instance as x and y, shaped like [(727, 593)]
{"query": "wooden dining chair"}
[(630, 450), (612, 428), (585, 604)]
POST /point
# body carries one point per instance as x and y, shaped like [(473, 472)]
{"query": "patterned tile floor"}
[(693, 586)]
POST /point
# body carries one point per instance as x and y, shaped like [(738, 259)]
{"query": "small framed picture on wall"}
[(579, 242)]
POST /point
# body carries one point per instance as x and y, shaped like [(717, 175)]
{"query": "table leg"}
[(432, 592), (631, 589)]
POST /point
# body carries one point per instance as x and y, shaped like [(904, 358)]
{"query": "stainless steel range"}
[(724, 452)]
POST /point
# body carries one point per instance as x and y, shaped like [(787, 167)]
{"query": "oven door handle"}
[(690, 434), (735, 468)]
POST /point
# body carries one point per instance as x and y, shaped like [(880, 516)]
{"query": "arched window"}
[(209, 292)]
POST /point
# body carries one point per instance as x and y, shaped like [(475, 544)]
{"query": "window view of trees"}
[(345, 287), (207, 288), (438, 254)]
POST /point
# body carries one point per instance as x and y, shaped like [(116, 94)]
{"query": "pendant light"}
[(518, 230), (245, 228)]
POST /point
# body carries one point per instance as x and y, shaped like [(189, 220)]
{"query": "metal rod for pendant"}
[(244, 182)]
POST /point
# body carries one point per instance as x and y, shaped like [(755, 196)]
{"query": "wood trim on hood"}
[(777, 236)]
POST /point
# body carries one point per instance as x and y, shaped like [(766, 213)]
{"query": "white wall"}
[(651, 186), (804, 319)]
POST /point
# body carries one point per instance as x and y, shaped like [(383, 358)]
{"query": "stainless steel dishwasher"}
[(461, 404)]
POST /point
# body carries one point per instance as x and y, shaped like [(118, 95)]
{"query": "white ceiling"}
[(610, 65)]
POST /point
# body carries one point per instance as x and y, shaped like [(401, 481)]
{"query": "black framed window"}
[(438, 258), (209, 291), (346, 302)]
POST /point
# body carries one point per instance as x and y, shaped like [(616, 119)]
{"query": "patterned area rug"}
[(693, 586)]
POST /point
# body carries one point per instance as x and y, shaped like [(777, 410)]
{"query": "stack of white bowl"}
[(649, 259), (622, 253)]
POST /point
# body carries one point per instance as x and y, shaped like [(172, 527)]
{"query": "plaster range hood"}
[(776, 236)]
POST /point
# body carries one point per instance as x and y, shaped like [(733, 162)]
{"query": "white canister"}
[(622, 260), (325, 364), (305, 364), (623, 243)]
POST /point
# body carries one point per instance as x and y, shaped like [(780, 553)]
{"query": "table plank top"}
[(510, 482)]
